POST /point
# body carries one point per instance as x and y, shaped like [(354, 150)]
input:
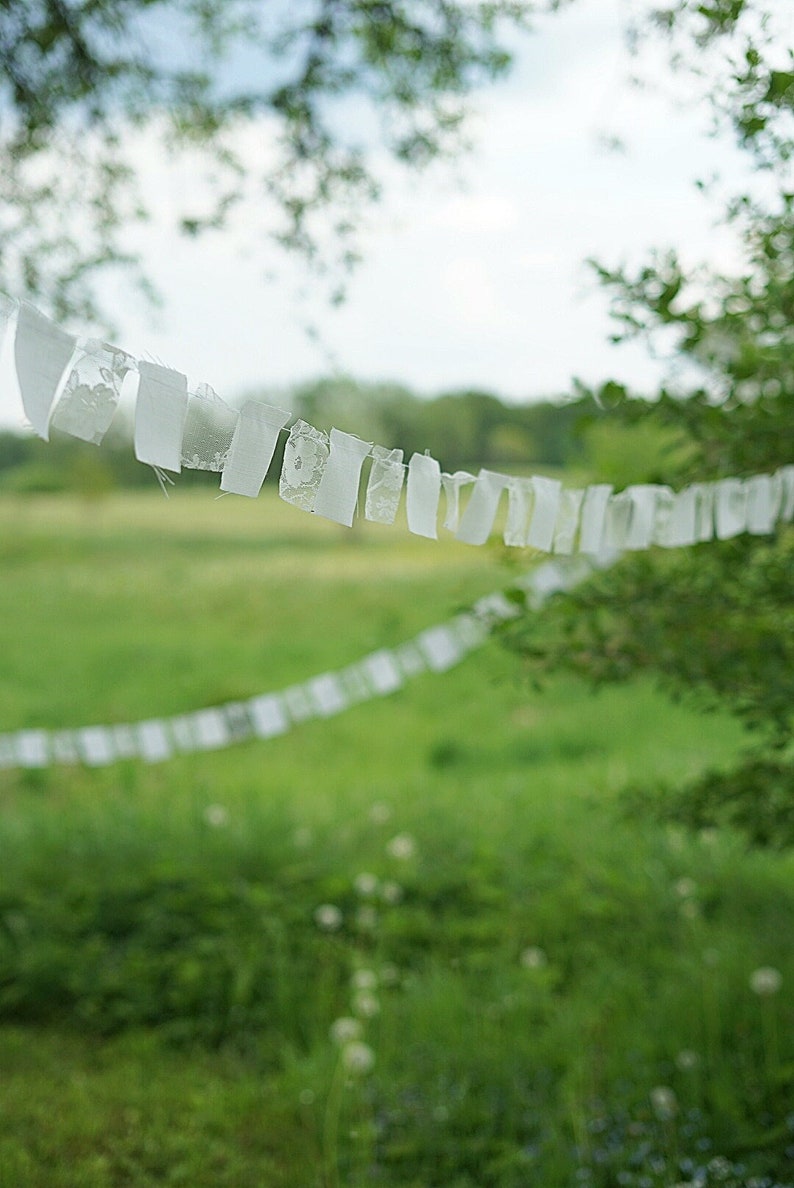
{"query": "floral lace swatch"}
[(92, 391), (305, 456)]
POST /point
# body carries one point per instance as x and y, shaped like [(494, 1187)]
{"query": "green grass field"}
[(539, 988)]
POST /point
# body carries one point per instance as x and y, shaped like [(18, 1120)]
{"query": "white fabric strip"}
[(91, 396), (437, 649), (678, 528), (543, 518), (786, 475), (153, 741), (41, 354), (125, 742), (440, 648), (269, 715), (594, 510), (478, 517), (567, 525), (210, 729), (764, 496), (95, 745), (424, 492), (31, 749), (337, 494), (160, 411), (642, 525), (384, 486), (327, 694), (452, 484), (382, 672), (519, 504), (730, 508), (704, 512), (252, 448)]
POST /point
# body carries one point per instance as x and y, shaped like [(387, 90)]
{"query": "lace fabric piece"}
[(786, 476), (305, 457), (644, 500), (42, 352), (210, 729), (385, 484), (125, 741), (209, 430), (64, 747), (298, 703), (355, 683), (160, 411), (91, 396)]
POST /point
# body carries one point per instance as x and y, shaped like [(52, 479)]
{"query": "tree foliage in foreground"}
[(717, 620), (297, 100)]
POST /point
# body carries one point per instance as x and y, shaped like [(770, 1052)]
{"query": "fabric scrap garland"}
[(76, 384), (436, 649)]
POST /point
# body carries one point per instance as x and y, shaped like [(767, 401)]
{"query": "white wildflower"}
[(534, 957), (364, 979), (391, 892), (216, 816), (344, 1030), (366, 1005), (358, 1057), (765, 981), (380, 813), (328, 917), (664, 1103), (366, 884), (686, 1060), (686, 887), (402, 846)]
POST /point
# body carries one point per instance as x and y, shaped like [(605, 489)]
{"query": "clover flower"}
[(366, 884), (402, 846), (345, 1030), (534, 957)]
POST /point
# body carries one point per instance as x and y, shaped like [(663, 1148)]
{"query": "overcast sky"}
[(472, 277)]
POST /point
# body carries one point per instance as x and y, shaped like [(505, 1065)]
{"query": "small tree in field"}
[(716, 620)]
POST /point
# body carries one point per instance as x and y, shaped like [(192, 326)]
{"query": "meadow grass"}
[(451, 867)]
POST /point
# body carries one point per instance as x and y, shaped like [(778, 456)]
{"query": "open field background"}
[(548, 990)]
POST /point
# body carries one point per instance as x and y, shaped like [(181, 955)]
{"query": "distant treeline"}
[(465, 429)]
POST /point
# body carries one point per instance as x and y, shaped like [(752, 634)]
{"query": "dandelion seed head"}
[(216, 816), (366, 1005), (328, 917), (345, 1029), (765, 981), (664, 1102), (358, 1057), (366, 884), (534, 957), (402, 846)]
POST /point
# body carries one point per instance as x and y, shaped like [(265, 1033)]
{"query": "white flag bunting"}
[(75, 384)]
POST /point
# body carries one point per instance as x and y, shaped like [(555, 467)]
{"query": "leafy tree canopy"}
[(330, 83), (716, 620)]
